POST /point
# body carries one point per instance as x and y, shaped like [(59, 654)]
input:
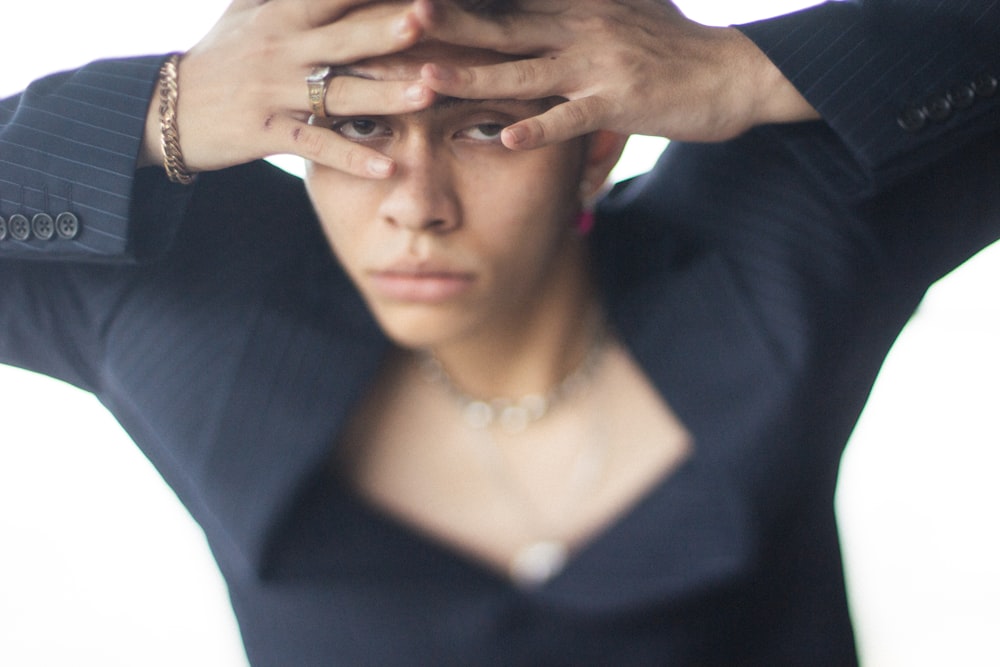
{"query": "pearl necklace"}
[(513, 415), (542, 558)]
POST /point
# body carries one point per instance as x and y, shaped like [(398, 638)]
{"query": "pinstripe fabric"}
[(861, 64), (70, 142), (759, 284)]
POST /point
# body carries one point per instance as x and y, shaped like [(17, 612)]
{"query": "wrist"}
[(150, 153), (161, 139), (774, 98)]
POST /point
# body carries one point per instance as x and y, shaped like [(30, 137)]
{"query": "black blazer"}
[(758, 282)]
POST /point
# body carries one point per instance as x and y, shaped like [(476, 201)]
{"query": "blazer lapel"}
[(700, 528)]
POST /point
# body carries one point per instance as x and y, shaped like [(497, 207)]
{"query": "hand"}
[(635, 66), (242, 90)]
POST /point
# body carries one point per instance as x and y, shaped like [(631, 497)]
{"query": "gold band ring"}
[(318, 81)]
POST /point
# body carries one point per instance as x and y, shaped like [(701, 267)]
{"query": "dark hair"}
[(491, 8)]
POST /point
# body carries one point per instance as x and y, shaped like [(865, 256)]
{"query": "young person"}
[(484, 432)]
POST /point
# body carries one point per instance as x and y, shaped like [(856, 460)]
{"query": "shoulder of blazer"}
[(901, 83)]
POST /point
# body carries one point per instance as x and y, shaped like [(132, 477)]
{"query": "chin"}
[(418, 328)]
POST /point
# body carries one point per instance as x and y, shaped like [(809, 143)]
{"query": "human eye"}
[(487, 132), (361, 129)]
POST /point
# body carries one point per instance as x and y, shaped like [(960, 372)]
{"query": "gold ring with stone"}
[(318, 82)]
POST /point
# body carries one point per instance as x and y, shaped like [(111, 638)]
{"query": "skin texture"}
[(469, 246), (635, 67), (427, 193), (469, 249), (243, 93)]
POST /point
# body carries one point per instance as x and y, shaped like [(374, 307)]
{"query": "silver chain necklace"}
[(546, 555), (513, 415)]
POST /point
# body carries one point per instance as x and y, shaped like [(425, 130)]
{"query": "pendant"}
[(536, 563)]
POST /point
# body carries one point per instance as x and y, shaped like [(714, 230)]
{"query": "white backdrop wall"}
[(99, 564)]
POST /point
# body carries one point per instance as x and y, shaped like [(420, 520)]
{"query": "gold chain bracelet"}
[(170, 141)]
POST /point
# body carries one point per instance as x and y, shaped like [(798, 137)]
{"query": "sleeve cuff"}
[(70, 146), (900, 83)]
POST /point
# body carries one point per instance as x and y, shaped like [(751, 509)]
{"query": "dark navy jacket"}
[(758, 282)]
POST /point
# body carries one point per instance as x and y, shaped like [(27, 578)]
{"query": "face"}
[(467, 237)]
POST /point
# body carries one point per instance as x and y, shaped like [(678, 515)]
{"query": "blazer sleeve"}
[(901, 82), (867, 207), (68, 180), (70, 194)]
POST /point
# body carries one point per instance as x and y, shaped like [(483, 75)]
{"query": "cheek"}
[(339, 205), (526, 239), (526, 195)]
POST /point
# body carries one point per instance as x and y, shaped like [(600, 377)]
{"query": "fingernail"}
[(415, 93), (514, 135), (442, 72), (404, 27), (425, 10), (380, 166)]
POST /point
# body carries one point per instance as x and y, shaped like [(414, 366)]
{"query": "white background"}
[(99, 565)]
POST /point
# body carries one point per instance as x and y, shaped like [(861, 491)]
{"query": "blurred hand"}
[(242, 90), (633, 66)]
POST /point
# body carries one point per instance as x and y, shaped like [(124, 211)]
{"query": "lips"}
[(420, 284)]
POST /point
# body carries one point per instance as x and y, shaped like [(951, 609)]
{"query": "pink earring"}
[(584, 222)]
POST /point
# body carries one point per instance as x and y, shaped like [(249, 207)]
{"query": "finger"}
[(364, 35), (240, 5), (300, 14), (560, 123), (318, 144), (518, 79), (351, 96), (522, 32), (316, 13)]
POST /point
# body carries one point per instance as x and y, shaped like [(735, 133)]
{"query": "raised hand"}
[(243, 93), (635, 66)]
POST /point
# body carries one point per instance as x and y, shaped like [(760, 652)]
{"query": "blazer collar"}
[(689, 329)]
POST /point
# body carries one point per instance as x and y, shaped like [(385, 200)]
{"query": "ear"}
[(602, 152)]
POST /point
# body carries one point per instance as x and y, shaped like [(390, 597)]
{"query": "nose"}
[(422, 195)]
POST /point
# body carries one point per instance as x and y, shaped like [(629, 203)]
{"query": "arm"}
[(77, 143), (73, 142), (908, 94), (636, 67), (900, 83), (642, 67), (69, 144)]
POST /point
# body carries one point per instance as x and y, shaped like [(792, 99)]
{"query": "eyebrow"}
[(445, 102)]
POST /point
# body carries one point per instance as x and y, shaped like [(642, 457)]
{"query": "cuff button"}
[(19, 227), (67, 226), (3, 229), (985, 85), (962, 96), (43, 226), (938, 109), (912, 119)]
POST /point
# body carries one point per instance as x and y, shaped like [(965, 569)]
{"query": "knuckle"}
[(351, 160), (577, 114), (593, 23), (468, 76), (540, 133), (524, 72), (336, 91), (267, 47), (309, 143)]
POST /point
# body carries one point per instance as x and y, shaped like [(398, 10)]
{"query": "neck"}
[(532, 351)]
